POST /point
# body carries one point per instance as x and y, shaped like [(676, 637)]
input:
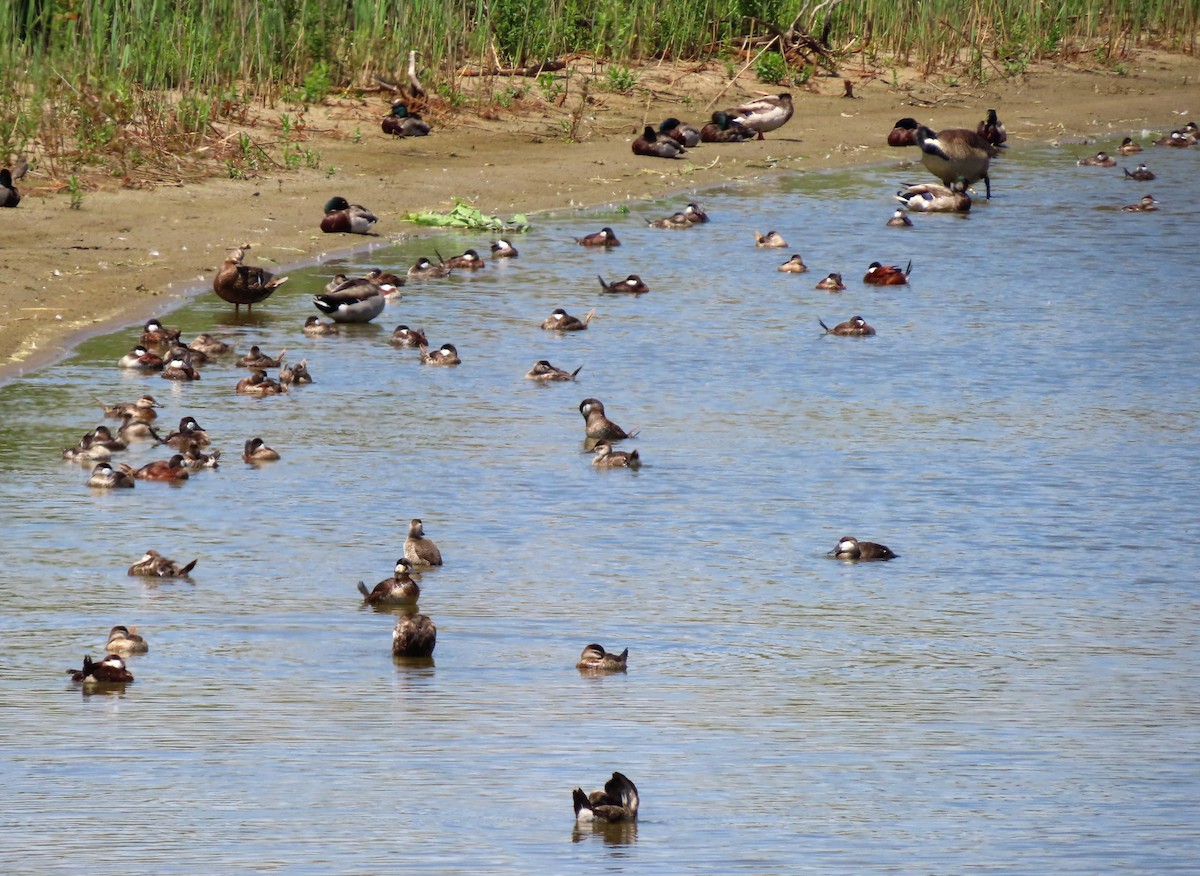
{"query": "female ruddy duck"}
[(446, 354), (188, 434), (407, 338), (887, 275), (599, 427), (140, 359), (110, 670), (652, 145), (1100, 159), (178, 368), (603, 237), (770, 240), (681, 132), (297, 374), (561, 321), (723, 129), (595, 659), (400, 122), (764, 114), (854, 327), (468, 261), (135, 428), (1146, 205), (195, 460), (256, 358), (1141, 174), (605, 457), (143, 408), (794, 265), (992, 130), (99, 443), (105, 477), (850, 548), (209, 346), (400, 589), (543, 370), (832, 283), (424, 269), (259, 384), (155, 335), (1128, 147), (502, 249), (244, 284), (899, 220), (685, 218), (936, 198), (632, 285), (155, 565), (256, 450), (343, 217), (415, 636), (123, 640), (172, 469), (419, 550), (314, 327), (617, 802)]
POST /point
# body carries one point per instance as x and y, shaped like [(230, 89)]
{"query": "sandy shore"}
[(128, 254)]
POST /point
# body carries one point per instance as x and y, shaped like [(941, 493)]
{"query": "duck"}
[(155, 565), (1176, 139), (599, 427), (172, 469), (632, 284), (561, 321), (724, 129), (1146, 205), (140, 359), (595, 659), (446, 354), (195, 460), (424, 269), (256, 359), (1100, 159), (260, 385), (188, 434), (468, 261), (603, 456), (617, 802), (887, 275), (87, 450), (419, 549), (408, 338), (1129, 147), (102, 436), (604, 237), (770, 240), (681, 132), (105, 477), (415, 636), (353, 301), (935, 198), (9, 196), (764, 114), (832, 283), (179, 368), (400, 122), (240, 283), (1191, 130), (850, 548), (343, 217), (899, 220), (948, 154), (652, 145), (1141, 173), (854, 327), (315, 327), (295, 374), (992, 130), (134, 428), (123, 640), (542, 370), (143, 408), (195, 358), (400, 589), (256, 450), (502, 249), (794, 265), (110, 670), (685, 218), (209, 346), (155, 334)]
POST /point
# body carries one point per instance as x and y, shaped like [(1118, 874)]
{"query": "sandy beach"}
[(127, 254)]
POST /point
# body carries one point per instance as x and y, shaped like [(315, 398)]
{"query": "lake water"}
[(1019, 692)]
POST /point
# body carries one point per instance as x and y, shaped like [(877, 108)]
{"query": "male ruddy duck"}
[(407, 338), (502, 249), (295, 374), (764, 114), (195, 460), (154, 334), (652, 145), (343, 217), (794, 265), (770, 240), (887, 275), (447, 354), (188, 434), (105, 477), (256, 450), (685, 218), (850, 548), (141, 359), (595, 659), (415, 636), (1146, 205), (418, 549), (400, 589), (256, 358), (123, 640), (1100, 159), (854, 327), (617, 802), (172, 469), (424, 269), (632, 285), (178, 368), (561, 321), (241, 284), (314, 327), (1176, 139), (543, 370), (110, 670), (832, 283), (1141, 174), (599, 427), (143, 408), (155, 565), (899, 220), (468, 261), (603, 237), (603, 456)]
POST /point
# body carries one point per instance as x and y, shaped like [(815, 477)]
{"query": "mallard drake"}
[(770, 240), (764, 114), (599, 427), (681, 132), (502, 249), (123, 640), (155, 334), (595, 659), (603, 237), (561, 321), (632, 285), (140, 359), (899, 220), (992, 130), (723, 129), (544, 371), (400, 122), (603, 456), (887, 275), (295, 374), (832, 283), (446, 354), (1128, 147), (179, 368), (172, 469), (1141, 174), (209, 346), (418, 549), (1146, 205), (407, 338), (617, 802), (854, 327), (850, 548), (105, 477), (143, 408), (424, 269), (794, 265), (259, 384), (400, 589), (241, 284), (468, 261), (1100, 159), (256, 450), (314, 327), (155, 565), (110, 670), (342, 216), (354, 301), (654, 146), (9, 196), (415, 636), (936, 198), (949, 153), (189, 433)]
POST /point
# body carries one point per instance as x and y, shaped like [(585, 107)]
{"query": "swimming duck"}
[(632, 284), (794, 265), (561, 321), (723, 129), (155, 565), (209, 346), (992, 130), (543, 370), (1128, 147), (402, 123), (353, 301), (887, 275), (603, 456), (101, 436), (110, 670), (1100, 159), (400, 589), (154, 334), (195, 358), (899, 220), (295, 374), (770, 240), (256, 358), (179, 368), (654, 146), (1176, 139), (195, 460), (87, 450), (603, 237), (259, 384), (949, 153), (1141, 174), (9, 196), (424, 269), (1146, 205), (105, 477), (172, 469), (314, 327), (1191, 130), (418, 549), (936, 198), (599, 427), (850, 548), (343, 217), (444, 355), (134, 428), (468, 261), (241, 284), (502, 249), (407, 338), (140, 359), (617, 802), (189, 433), (123, 640), (595, 659), (854, 327), (832, 283), (764, 114), (681, 132), (143, 408), (256, 450), (415, 636), (685, 218)]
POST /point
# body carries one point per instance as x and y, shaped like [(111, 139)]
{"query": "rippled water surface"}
[(1017, 693)]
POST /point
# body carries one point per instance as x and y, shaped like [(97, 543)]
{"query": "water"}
[(1016, 694)]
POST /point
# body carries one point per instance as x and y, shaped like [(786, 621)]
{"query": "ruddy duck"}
[(188, 434), (832, 283), (400, 589), (143, 408), (595, 659), (178, 368), (419, 550), (123, 640), (105, 477), (764, 114), (794, 265), (1176, 139), (543, 370), (603, 237), (561, 321), (468, 261), (256, 358), (599, 427), (400, 122), (415, 636), (605, 457), (241, 284), (209, 346), (992, 129), (1128, 147), (172, 469), (1141, 174), (652, 145), (297, 374), (632, 285), (110, 670), (854, 327), (899, 220), (949, 153), (723, 129), (155, 565), (1100, 159), (141, 359), (424, 269), (314, 327), (195, 460), (502, 249), (685, 218), (259, 384), (408, 339), (681, 132), (155, 335), (887, 275), (135, 428), (850, 548), (446, 354), (256, 450), (87, 449), (935, 198), (1146, 205), (343, 217), (617, 802), (770, 240)]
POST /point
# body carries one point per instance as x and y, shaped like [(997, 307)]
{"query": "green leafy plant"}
[(466, 216), (75, 190), (771, 68), (621, 79)]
